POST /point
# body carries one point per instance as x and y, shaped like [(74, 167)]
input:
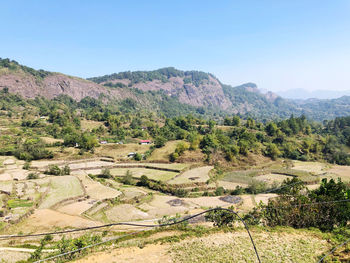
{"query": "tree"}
[(159, 141), (272, 151), (271, 129)]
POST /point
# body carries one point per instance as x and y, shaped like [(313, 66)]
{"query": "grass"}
[(62, 187), (14, 203), (236, 247), (120, 151), (89, 125), (200, 174), (248, 176), (162, 154)]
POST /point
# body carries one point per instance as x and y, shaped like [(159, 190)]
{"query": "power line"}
[(334, 249), (161, 225), (86, 247)]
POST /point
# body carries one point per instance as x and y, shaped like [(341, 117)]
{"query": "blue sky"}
[(278, 45)]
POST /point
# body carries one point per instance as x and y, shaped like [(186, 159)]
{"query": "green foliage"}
[(127, 179), (106, 173), (32, 149), (32, 176), (15, 66), (137, 157), (55, 170), (221, 218), (159, 141), (298, 207)]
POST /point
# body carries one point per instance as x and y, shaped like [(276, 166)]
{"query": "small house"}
[(103, 142), (142, 142), (131, 155)]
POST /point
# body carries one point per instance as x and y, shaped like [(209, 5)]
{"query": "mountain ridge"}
[(165, 89)]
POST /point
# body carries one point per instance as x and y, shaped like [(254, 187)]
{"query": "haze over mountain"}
[(303, 94)]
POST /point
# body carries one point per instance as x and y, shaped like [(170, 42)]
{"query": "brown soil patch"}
[(148, 254), (43, 219)]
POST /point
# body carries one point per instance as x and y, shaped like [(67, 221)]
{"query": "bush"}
[(106, 173), (219, 191), (221, 218), (137, 157), (127, 179), (32, 176), (26, 166), (53, 170)]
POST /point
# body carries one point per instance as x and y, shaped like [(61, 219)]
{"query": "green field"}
[(19, 203)]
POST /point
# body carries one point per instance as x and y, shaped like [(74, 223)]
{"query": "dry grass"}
[(196, 175), (89, 125), (50, 140), (311, 167), (162, 154), (150, 173), (96, 190), (270, 178), (236, 247), (62, 187), (120, 151), (279, 246)]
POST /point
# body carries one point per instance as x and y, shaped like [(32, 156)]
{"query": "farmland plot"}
[(152, 174), (196, 175), (62, 187)]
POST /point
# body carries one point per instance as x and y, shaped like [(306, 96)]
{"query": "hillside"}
[(200, 89), (166, 91)]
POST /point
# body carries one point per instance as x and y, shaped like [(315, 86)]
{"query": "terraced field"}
[(152, 174), (196, 175), (62, 187)]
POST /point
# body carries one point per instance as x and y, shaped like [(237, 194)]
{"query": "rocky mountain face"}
[(166, 90), (30, 83), (194, 88)]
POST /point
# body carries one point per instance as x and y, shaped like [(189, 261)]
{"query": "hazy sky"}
[(278, 45)]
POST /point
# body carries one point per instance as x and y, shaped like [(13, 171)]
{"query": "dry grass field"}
[(162, 154), (61, 187), (292, 246), (120, 151), (271, 178), (312, 167), (196, 175), (150, 173), (88, 125)]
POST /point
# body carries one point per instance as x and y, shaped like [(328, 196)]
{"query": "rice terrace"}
[(175, 131)]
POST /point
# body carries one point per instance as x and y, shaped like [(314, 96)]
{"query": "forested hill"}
[(166, 91)]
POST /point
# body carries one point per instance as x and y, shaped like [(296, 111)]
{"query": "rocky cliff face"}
[(56, 84), (207, 93), (189, 87)]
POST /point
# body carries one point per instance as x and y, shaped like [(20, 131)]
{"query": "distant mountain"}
[(167, 91), (302, 94)]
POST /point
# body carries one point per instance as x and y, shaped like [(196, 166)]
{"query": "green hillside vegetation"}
[(294, 138), (14, 66)]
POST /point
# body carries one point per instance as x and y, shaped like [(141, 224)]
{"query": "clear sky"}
[(279, 45)]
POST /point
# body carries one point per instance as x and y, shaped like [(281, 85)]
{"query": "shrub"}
[(219, 191), (53, 170), (221, 217), (32, 176), (26, 166), (106, 173)]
